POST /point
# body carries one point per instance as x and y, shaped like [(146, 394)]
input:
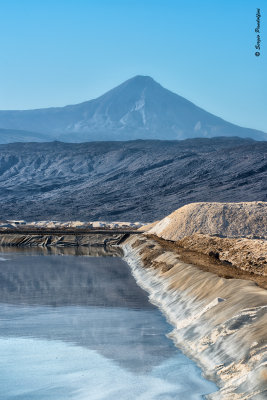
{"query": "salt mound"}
[(147, 227), (230, 220)]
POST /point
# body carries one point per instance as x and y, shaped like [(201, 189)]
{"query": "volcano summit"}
[(139, 108)]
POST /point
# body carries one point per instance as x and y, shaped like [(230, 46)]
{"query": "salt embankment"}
[(68, 224), (220, 323), (232, 232), (229, 220)]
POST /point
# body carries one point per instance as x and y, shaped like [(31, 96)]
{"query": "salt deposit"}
[(70, 224), (230, 220), (220, 323)]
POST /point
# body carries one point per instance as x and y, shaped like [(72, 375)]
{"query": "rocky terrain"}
[(246, 254), (139, 108), (127, 181)]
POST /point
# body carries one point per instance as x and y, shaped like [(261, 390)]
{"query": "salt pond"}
[(78, 327)]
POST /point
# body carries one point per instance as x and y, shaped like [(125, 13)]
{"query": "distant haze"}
[(139, 108)]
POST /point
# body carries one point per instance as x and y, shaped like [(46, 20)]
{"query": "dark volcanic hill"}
[(138, 180), (139, 108)]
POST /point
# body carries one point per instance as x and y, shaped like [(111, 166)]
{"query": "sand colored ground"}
[(232, 220), (234, 233), (247, 254), (206, 260), (203, 265), (146, 228), (69, 224), (221, 323)]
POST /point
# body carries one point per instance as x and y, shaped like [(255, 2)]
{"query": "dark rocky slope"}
[(138, 180)]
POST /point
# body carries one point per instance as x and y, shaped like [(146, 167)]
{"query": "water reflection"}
[(89, 301), (88, 251), (70, 280), (84, 329), (134, 339)]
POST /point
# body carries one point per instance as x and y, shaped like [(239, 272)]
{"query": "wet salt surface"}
[(80, 328)]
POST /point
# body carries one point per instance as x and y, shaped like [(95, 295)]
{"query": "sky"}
[(59, 52)]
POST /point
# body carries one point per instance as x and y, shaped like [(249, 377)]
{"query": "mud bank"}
[(220, 323)]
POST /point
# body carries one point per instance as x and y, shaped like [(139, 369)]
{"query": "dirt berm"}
[(231, 232), (220, 323), (203, 265)]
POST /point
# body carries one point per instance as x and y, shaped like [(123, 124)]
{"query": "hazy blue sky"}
[(58, 52)]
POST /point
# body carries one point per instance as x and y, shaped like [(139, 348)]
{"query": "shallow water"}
[(77, 327)]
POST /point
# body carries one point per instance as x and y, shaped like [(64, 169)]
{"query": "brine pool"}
[(76, 326)]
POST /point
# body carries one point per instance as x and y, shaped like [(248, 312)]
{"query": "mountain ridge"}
[(139, 108), (144, 180)]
